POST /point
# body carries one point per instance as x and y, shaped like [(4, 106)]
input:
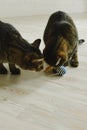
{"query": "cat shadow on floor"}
[(9, 80), (23, 84)]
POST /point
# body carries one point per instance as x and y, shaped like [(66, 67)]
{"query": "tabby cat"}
[(15, 50), (61, 41)]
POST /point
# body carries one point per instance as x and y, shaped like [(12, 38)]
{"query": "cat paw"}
[(15, 71), (74, 63), (3, 70)]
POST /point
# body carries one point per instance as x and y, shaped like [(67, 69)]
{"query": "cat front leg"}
[(3, 70), (13, 69), (74, 60)]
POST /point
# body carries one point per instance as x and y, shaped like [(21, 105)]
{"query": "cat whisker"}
[(58, 61), (64, 63), (38, 60)]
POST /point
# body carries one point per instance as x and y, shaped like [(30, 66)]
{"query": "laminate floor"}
[(35, 101)]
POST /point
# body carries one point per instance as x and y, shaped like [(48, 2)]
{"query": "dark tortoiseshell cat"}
[(16, 50), (61, 40)]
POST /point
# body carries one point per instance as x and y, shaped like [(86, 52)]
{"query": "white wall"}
[(34, 7)]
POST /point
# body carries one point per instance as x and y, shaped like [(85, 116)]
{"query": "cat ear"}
[(36, 43)]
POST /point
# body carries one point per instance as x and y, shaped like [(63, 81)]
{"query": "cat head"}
[(33, 60), (25, 55), (55, 52)]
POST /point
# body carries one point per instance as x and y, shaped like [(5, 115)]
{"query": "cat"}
[(15, 50), (61, 41)]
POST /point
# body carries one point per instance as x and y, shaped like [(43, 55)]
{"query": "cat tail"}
[(81, 41)]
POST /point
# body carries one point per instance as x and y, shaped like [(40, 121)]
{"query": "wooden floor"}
[(34, 101)]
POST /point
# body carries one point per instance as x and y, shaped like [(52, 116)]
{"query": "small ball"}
[(60, 71)]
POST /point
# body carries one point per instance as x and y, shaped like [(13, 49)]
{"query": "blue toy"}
[(60, 71)]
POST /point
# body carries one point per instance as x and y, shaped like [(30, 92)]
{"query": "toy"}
[(60, 71)]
